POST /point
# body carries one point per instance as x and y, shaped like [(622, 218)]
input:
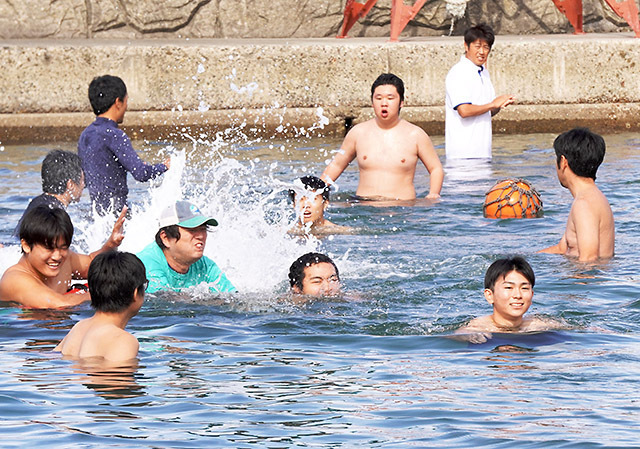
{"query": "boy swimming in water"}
[(117, 283), (508, 287), (43, 275), (314, 274), (387, 149), (310, 200), (590, 230)]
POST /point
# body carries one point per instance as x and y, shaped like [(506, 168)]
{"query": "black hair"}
[(502, 267), (313, 184), (391, 79), (103, 92), (583, 149), (296, 271), (58, 167), (44, 225), (480, 31), (113, 279), (172, 232)]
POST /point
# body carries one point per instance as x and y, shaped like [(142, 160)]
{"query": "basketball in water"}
[(512, 198)]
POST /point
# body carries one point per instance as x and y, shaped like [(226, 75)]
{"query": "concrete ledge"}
[(297, 86), (295, 122)]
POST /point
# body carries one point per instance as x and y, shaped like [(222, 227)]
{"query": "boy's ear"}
[(325, 205), (488, 295), (165, 239), (25, 247)]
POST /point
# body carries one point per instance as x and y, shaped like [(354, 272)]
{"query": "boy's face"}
[(189, 248), (477, 51), (511, 296), (310, 207), (386, 102), (320, 279), (46, 261)]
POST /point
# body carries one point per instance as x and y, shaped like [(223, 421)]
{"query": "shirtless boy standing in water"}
[(387, 148), (590, 232)]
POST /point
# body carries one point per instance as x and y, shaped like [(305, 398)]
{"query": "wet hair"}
[(313, 184), (44, 225), (296, 271), (113, 279), (58, 167), (172, 231), (583, 149), (103, 92), (501, 267), (389, 79), (480, 31)]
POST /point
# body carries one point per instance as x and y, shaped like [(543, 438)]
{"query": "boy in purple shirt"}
[(106, 151)]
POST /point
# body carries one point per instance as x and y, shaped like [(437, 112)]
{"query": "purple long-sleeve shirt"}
[(107, 156)]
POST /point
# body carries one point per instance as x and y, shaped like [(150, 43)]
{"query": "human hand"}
[(479, 337), (167, 163), (117, 234), (503, 101)]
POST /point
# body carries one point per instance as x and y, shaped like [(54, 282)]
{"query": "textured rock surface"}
[(133, 19), (271, 85)]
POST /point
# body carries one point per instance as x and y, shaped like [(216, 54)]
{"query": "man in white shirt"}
[(471, 100)]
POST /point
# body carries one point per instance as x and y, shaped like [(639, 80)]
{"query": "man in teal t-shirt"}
[(176, 259)]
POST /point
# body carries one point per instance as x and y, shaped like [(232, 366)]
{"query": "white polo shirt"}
[(467, 138)]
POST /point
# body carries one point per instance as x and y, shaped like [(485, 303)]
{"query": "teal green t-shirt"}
[(162, 277)]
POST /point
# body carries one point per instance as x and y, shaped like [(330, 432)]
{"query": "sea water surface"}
[(376, 368)]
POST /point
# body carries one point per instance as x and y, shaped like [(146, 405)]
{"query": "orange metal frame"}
[(402, 14)]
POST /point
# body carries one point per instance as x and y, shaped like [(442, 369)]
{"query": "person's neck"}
[(578, 184), (505, 323), (64, 198), (26, 266), (117, 319), (177, 265), (111, 115), (387, 124)]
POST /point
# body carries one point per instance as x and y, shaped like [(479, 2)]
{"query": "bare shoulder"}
[(362, 127), (541, 324), (122, 346), (592, 201), (411, 127), (70, 344), (16, 283), (480, 324)]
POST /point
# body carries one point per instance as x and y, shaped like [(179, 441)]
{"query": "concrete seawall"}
[(318, 86)]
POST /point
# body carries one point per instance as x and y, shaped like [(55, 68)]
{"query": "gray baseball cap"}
[(185, 215)]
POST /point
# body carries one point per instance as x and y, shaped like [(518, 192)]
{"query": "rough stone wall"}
[(133, 19)]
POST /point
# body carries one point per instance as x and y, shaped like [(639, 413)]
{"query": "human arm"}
[(473, 332), (220, 282), (346, 154), (129, 159), (80, 262), (471, 110), (24, 289), (587, 230), (558, 248), (431, 161)]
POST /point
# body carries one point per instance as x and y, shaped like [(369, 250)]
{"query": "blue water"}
[(376, 368)]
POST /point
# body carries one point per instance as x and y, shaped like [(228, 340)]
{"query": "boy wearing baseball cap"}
[(176, 259)]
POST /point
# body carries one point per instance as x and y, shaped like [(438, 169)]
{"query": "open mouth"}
[(384, 112)]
